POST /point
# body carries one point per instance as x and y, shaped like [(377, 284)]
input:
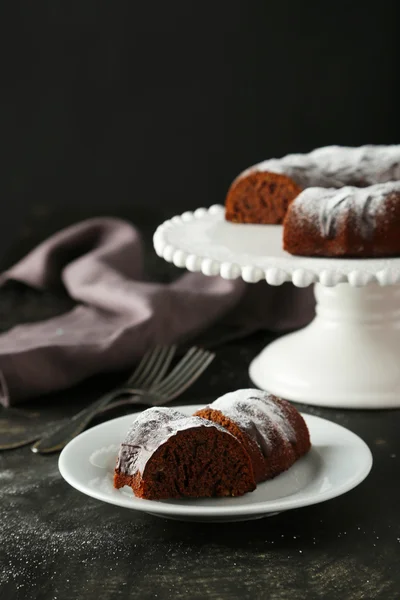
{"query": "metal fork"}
[(148, 394), (179, 380), (150, 370)]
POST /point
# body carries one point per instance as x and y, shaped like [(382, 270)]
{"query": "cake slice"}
[(168, 455), (273, 432)]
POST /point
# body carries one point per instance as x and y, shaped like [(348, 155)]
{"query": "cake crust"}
[(253, 450), (345, 223)]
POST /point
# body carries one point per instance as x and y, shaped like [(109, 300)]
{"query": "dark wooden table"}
[(57, 544)]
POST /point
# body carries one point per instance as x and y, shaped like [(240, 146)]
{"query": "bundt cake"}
[(262, 193), (345, 222), (273, 432), (168, 455)]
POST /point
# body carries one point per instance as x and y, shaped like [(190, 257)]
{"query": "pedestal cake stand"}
[(349, 356)]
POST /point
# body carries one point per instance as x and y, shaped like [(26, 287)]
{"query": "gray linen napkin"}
[(119, 315)]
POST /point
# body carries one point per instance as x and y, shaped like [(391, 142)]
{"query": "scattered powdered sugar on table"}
[(327, 208), (6, 475), (258, 414), (33, 539)]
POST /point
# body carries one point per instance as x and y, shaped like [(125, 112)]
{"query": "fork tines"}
[(152, 367)]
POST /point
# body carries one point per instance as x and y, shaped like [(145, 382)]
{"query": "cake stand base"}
[(348, 357)]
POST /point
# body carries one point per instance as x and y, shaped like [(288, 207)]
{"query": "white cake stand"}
[(349, 356)]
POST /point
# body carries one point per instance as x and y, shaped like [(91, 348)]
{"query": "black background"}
[(118, 108)]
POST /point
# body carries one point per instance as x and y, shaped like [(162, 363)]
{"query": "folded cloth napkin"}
[(118, 315)]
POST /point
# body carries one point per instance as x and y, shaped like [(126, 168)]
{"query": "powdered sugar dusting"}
[(327, 208), (43, 521), (258, 414), (101, 457), (337, 166), (152, 428)]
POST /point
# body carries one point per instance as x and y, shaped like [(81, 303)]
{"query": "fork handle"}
[(61, 435)]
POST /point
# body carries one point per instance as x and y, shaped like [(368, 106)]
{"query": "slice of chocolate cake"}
[(273, 432), (168, 455)]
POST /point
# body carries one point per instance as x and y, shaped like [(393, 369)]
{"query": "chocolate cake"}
[(260, 198), (271, 429), (168, 455), (349, 222), (262, 193)]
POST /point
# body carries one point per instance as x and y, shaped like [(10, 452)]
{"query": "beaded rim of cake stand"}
[(300, 277)]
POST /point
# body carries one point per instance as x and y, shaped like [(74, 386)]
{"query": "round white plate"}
[(203, 241), (338, 461)]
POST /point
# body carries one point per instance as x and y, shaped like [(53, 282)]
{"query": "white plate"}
[(338, 461)]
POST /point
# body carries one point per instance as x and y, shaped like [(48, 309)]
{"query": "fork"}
[(152, 392), (151, 369)]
